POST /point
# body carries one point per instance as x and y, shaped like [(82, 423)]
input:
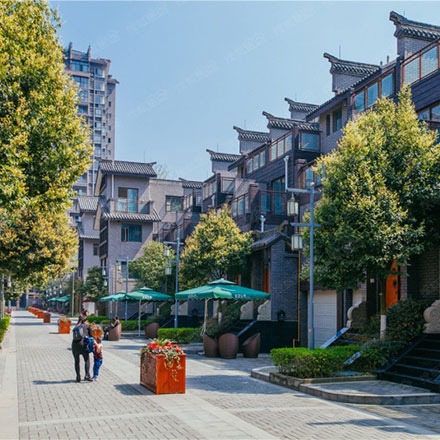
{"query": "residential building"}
[(97, 94)]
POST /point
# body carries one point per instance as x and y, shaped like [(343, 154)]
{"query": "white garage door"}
[(324, 315)]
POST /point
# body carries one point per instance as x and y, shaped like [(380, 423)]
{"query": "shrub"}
[(305, 363), (133, 324), (4, 324), (94, 319), (405, 320), (180, 335), (376, 354)]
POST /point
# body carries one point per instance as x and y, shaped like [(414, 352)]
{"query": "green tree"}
[(150, 268), (44, 144), (216, 247), (379, 188), (94, 286)]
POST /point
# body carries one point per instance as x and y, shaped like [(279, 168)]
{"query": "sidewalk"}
[(41, 400)]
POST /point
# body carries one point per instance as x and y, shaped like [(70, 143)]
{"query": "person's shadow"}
[(53, 382)]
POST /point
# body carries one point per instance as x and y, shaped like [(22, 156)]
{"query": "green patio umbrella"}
[(221, 289)]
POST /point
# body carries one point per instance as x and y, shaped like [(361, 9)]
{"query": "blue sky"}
[(190, 71)]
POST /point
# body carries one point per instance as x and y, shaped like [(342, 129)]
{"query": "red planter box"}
[(63, 327), (46, 318), (160, 379)]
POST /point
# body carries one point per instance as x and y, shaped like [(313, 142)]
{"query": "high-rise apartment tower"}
[(97, 104)]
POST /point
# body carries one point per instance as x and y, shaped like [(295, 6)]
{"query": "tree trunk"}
[(383, 308)]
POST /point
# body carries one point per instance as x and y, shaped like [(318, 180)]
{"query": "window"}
[(288, 142), (82, 81), (95, 249), (435, 113), (83, 95), (130, 232), (337, 120), (429, 61), (127, 199), (359, 101), (411, 71), (263, 158), (227, 185), (278, 192), (249, 166), (424, 115), (273, 151), (173, 203), (327, 125), (387, 85), (83, 109), (309, 141), (280, 147), (79, 66), (372, 94)]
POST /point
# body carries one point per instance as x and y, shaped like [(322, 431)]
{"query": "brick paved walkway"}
[(39, 399)]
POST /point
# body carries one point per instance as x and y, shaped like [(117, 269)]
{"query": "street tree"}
[(150, 267), (216, 248), (94, 285), (44, 144), (379, 188)]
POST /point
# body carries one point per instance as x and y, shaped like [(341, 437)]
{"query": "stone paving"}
[(39, 399)]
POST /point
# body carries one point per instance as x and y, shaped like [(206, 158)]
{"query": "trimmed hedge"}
[(306, 363), (4, 324), (180, 335)]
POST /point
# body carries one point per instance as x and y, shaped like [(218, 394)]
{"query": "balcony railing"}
[(129, 206)]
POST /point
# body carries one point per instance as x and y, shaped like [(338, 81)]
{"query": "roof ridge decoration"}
[(127, 167), (223, 157), (252, 135), (414, 29), (289, 124), (352, 68), (300, 106)]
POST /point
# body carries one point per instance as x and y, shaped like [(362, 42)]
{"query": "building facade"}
[(97, 95)]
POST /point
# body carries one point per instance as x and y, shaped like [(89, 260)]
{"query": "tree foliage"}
[(94, 286), (216, 247), (44, 145), (379, 187), (150, 268)]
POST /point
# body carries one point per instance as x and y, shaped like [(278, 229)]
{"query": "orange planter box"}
[(63, 327), (40, 314), (46, 317), (160, 379)]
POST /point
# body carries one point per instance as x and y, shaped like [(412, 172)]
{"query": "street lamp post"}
[(297, 244), (73, 293), (176, 302)]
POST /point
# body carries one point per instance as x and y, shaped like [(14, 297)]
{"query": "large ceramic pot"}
[(251, 347), (228, 346), (210, 346), (158, 377), (151, 330)]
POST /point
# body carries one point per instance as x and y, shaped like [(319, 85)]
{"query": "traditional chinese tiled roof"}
[(289, 124), (351, 68), (87, 203), (414, 29), (223, 157), (304, 107), (192, 184), (268, 240), (254, 136), (88, 236), (127, 168), (131, 217)]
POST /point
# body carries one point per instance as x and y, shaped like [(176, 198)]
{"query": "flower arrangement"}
[(169, 349)]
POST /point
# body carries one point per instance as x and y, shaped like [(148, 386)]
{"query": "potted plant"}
[(64, 325), (163, 367)]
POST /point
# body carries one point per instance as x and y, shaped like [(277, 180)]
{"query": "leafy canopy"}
[(44, 144), (379, 187), (215, 248), (150, 268)]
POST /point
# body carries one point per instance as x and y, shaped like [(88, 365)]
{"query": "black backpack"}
[(77, 333)]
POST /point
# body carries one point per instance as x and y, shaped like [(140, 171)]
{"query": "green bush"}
[(133, 324), (405, 320), (4, 324), (93, 319), (306, 363), (180, 335), (376, 354)]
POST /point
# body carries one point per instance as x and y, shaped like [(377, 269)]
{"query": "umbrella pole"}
[(139, 319), (126, 311), (205, 316)]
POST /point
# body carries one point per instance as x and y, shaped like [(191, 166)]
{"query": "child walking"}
[(97, 358)]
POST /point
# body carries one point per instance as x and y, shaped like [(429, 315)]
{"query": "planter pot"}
[(46, 318), (251, 347), (157, 377), (228, 346), (40, 314), (210, 346), (151, 330), (64, 326)]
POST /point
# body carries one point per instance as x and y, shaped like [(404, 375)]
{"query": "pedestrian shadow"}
[(53, 382)]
